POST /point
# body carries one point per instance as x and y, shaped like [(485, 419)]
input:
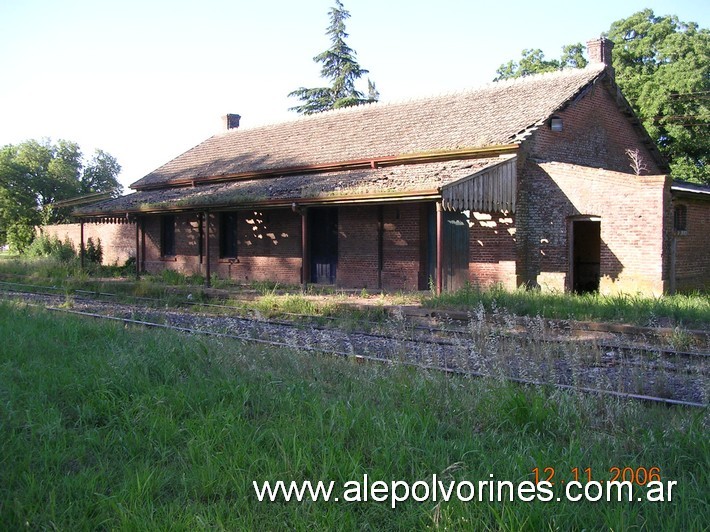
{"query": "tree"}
[(340, 67), (534, 62), (35, 175), (662, 66)]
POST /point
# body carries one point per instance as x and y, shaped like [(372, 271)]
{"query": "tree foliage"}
[(662, 66), (340, 67), (534, 62), (34, 175)]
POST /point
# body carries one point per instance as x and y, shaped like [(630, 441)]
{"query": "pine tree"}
[(340, 67)]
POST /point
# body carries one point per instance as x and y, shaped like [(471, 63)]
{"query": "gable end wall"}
[(585, 171)]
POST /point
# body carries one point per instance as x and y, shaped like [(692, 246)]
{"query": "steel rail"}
[(618, 348), (330, 352)]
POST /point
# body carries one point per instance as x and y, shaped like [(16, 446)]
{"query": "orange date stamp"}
[(638, 475)]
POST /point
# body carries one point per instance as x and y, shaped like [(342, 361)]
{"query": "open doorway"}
[(585, 255), (323, 242)]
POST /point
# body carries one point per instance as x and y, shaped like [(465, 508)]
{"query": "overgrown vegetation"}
[(49, 260), (54, 263), (51, 247), (103, 427), (689, 310)]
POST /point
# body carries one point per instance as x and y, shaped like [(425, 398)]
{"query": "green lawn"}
[(113, 428)]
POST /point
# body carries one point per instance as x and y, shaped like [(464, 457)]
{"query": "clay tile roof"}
[(495, 114)]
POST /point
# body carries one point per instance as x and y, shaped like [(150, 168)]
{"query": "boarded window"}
[(167, 236), (680, 218), (228, 235)]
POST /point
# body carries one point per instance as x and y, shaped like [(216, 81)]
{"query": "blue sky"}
[(146, 80)]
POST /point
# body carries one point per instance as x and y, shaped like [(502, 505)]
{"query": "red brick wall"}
[(692, 251), (633, 236), (492, 251), (117, 240), (186, 259), (358, 258), (357, 247), (402, 247), (268, 247), (595, 134), (633, 209)]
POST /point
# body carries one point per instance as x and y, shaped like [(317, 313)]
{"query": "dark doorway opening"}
[(586, 255), (323, 240)]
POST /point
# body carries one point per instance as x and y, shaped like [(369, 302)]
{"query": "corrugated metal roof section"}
[(491, 189), (693, 188)]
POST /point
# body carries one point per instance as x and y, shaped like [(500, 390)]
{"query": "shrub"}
[(51, 246), (94, 253), (20, 235)]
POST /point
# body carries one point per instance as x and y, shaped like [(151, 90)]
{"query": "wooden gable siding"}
[(490, 190)]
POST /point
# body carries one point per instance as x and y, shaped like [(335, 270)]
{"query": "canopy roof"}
[(397, 183)]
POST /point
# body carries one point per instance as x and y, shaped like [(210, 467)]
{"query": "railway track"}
[(316, 321), (634, 372)]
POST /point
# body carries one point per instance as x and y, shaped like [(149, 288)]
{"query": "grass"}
[(107, 428), (681, 311), (687, 310)]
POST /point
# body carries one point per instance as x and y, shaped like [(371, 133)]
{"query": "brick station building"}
[(520, 182)]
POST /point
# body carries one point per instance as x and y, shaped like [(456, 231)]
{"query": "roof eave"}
[(680, 189), (350, 199)]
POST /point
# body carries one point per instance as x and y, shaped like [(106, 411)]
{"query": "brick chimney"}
[(230, 121), (599, 51)]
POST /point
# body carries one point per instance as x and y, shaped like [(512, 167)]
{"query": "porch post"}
[(142, 220), (439, 248), (139, 255), (380, 244), (208, 273), (201, 235), (305, 266), (82, 251)]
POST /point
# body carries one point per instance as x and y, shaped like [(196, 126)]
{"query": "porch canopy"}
[(482, 185)]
